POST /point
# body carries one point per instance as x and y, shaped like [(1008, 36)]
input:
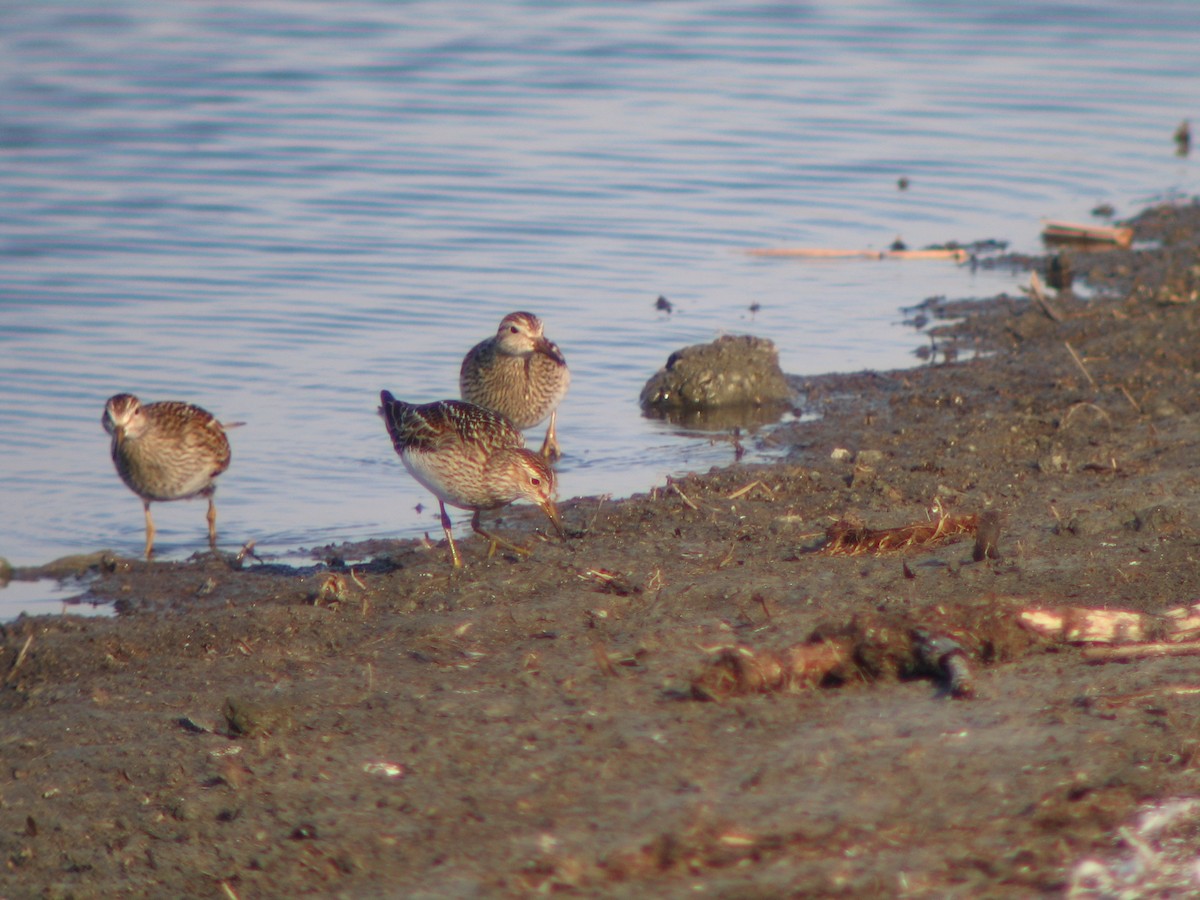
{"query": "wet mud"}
[(721, 686)]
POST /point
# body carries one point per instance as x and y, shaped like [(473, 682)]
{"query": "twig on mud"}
[(1128, 396), (1177, 690), (728, 556), (742, 491), (227, 890), (1079, 362), (1156, 650), (1081, 405), (762, 601), (682, 496), (247, 550), (1039, 295), (602, 660), (21, 654), (596, 514)]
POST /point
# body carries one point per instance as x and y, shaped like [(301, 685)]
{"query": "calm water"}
[(275, 209)]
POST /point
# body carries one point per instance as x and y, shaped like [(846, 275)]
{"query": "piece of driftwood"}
[(1119, 634), (956, 254), (852, 538), (1079, 625), (1076, 233)]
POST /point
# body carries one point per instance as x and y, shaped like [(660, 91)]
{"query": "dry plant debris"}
[(862, 650), (849, 538)]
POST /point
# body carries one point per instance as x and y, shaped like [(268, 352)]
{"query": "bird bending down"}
[(469, 457), (519, 374), (167, 451)]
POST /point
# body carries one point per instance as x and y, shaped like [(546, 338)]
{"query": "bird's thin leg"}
[(496, 540), (212, 523), (149, 529), (550, 448), (449, 536)]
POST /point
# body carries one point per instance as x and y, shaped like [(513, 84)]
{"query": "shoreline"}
[(536, 724)]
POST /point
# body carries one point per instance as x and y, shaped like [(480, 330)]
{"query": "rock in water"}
[(734, 370)]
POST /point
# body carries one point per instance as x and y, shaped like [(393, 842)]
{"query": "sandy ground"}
[(574, 721)]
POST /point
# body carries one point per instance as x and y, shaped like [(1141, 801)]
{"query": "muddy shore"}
[(563, 722)]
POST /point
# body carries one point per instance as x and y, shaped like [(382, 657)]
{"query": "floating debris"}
[(1074, 233)]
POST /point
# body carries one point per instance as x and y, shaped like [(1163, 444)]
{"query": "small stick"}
[(728, 556), (1169, 689), (1141, 651), (762, 601), (748, 488), (20, 659), (955, 254), (1035, 291), (1083, 404), (1079, 362), (682, 495), (603, 661), (1136, 408), (599, 506), (247, 550)]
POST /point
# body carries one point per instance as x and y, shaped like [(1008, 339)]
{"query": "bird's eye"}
[(536, 482), (513, 329)]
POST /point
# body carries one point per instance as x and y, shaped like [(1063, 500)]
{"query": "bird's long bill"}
[(119, 434), (551, 512)]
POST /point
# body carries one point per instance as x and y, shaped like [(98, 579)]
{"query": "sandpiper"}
[(469, 457), (167, 451), (520, 374)]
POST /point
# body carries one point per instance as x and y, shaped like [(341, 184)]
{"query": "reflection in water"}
[(48, 596), (746, 416)]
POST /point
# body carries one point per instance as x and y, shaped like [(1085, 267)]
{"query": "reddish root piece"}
[(744, 670)]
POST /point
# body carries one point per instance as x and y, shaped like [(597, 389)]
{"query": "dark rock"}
[(734, 370)]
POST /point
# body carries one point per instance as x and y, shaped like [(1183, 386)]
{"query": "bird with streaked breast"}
[(169, 450), (520, 374), (470, 457)]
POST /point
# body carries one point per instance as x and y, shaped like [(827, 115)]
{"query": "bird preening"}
[(519, 373)]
